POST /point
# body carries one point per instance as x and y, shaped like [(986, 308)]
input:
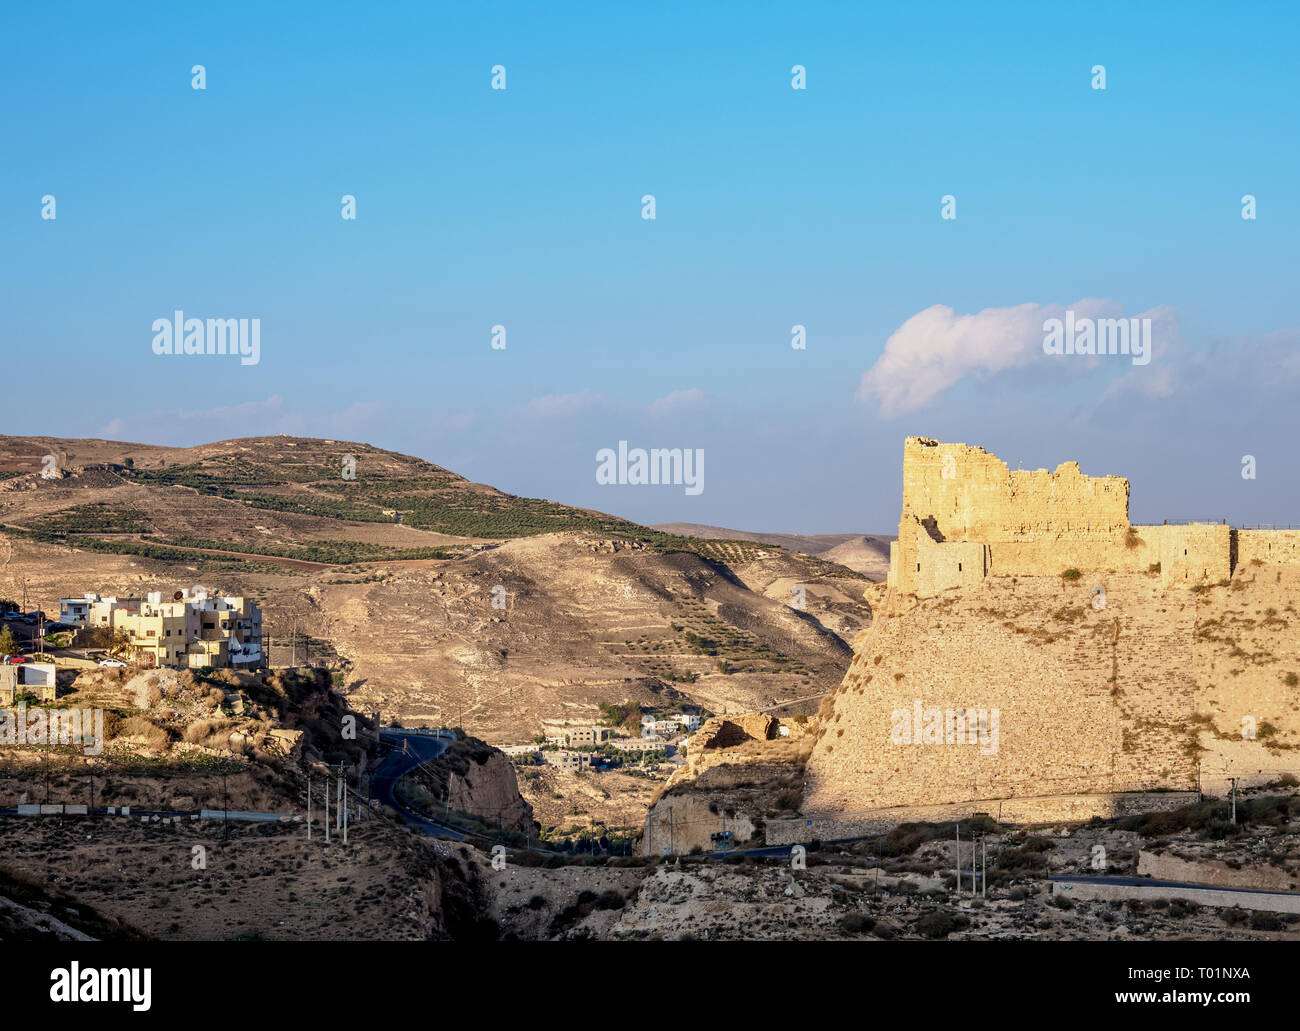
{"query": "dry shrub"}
[(146, 730), (197, 731)]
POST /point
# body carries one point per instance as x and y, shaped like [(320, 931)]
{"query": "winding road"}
[(411, 750)]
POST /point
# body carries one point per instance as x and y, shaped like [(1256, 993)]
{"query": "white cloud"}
[(936, 348), (563, 404), (678, 400)]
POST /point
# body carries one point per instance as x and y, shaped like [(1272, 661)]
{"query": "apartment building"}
[(567, 760), (575, 737), (191, 629)]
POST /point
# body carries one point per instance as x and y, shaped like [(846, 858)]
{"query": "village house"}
[(652, 726), (576, 737), (34, 678), (566, 760)]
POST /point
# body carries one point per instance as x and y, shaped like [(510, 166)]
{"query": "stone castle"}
[(966, 516), (1148, 671)]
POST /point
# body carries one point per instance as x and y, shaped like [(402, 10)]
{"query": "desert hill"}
[(388, 567), (866, 553)]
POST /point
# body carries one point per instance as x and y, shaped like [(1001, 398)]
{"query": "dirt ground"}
[(265, 882)]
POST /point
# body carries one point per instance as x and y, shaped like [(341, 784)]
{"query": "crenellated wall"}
[(965, 510), (972, 495)]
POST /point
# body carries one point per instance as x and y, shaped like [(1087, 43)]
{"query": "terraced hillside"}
[(387, 567)]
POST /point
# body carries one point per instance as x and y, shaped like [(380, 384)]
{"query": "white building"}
[(669, 726), (75, 611)]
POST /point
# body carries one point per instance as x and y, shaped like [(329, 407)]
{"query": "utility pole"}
[(326, 792), (341, 801), (958, 860), (984, 868), (1234, 798), (309, 806)]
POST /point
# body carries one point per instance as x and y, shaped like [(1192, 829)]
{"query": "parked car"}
[(13, 660), (111, 662)]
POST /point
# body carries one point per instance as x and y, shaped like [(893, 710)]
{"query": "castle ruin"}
[(967, 516), (1138, 682)]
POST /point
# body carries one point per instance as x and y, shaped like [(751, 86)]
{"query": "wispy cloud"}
[(679, 400), (564, 404)]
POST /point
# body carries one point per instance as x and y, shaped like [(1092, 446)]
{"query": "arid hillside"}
[(866, 553), (438, 599)]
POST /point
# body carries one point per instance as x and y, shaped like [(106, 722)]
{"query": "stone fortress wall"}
[(1143, 689), (966, 516)]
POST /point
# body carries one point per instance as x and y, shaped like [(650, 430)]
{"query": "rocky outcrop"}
[(489, 790)]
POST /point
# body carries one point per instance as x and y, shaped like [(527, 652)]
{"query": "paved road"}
[(419, 749)]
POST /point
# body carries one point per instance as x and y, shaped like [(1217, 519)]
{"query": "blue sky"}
[(775, 207)]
